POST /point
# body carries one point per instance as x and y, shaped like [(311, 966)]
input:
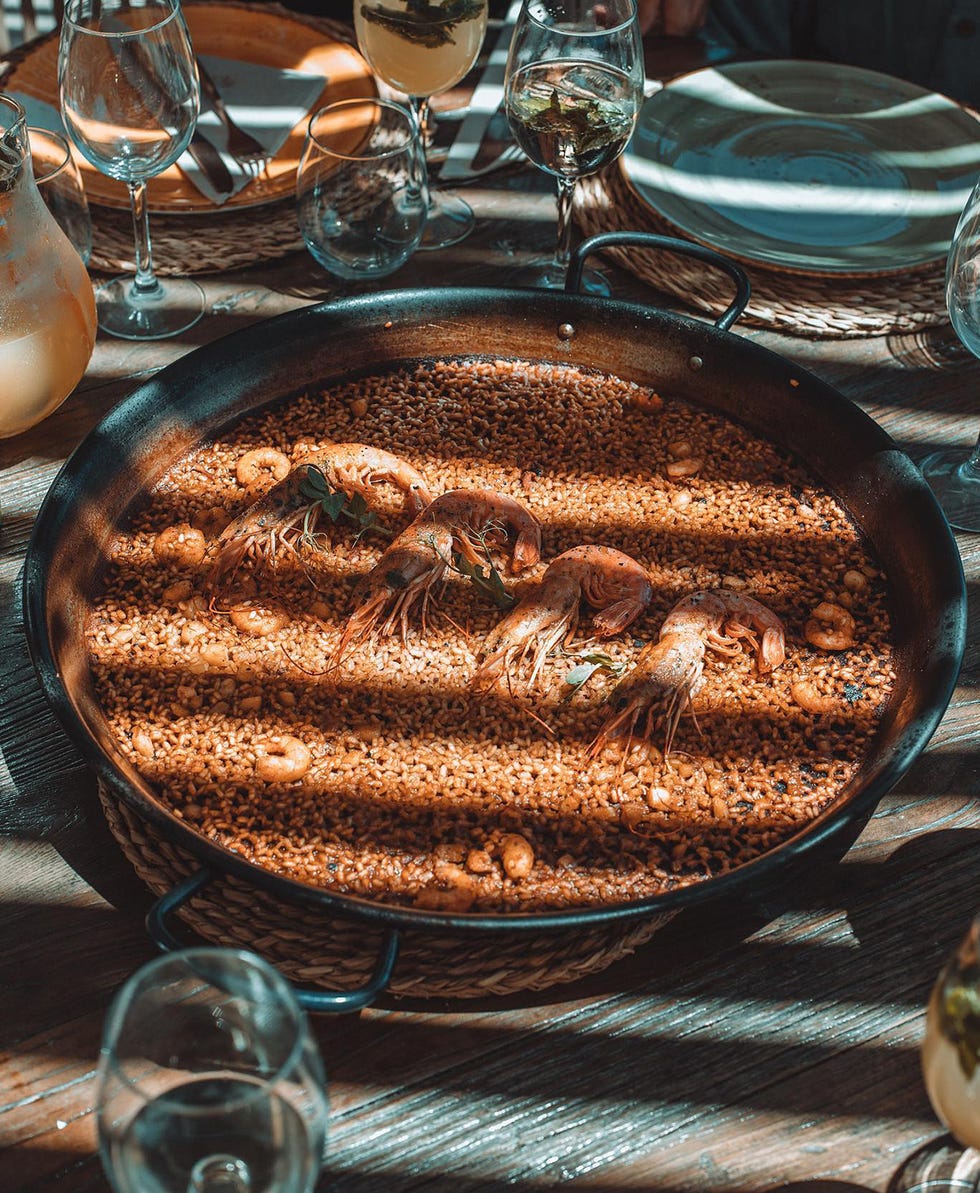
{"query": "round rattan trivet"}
[(803, 305), (314, 950)]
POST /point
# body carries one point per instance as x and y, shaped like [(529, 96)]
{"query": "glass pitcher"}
[(47, 308)]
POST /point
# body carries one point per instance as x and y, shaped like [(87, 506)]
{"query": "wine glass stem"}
[(145, 282), (972, 465), (420, 106), (565, 196)]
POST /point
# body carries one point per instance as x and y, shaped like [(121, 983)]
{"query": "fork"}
[(243, 147)]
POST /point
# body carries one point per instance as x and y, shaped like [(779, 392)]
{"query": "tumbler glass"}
[(361, 189), (60, 183)]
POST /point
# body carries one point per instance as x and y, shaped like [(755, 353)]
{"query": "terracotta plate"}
[(265, 36), (806, 166)]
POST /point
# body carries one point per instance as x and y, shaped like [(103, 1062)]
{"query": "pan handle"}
[(648, 240), (333, 1001)]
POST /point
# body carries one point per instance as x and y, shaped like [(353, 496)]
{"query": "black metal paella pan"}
[(211, 388)]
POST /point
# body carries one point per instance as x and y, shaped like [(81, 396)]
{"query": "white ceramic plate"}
[(807, 166)]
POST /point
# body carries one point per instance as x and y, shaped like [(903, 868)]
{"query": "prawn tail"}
[(773, 651), (527, 550), (417, 498), (616, 617)]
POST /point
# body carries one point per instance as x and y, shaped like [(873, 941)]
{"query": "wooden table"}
[(771, 1046)]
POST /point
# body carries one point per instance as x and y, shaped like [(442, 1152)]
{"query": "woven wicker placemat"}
[(187, 244), (803, 305), (312, 949)]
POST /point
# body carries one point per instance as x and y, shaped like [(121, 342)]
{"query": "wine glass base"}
[(940, 1166), (956, 486), (550, 275), (166, 310), (449, 219)]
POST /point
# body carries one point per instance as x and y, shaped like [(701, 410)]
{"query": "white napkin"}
[(265, 101)]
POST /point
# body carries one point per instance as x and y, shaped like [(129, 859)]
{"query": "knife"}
[(208, 160)]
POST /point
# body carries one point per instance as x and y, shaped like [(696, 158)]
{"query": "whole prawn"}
[(609, 581), (279, 517), (669, 672), (404, 576)]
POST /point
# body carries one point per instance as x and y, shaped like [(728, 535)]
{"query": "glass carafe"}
[(47, 308)]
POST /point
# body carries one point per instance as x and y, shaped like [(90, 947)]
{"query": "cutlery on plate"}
[(242, 146), (208, 161)]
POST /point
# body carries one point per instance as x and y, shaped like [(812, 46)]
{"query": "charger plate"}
[(806, 166), (264, 34)]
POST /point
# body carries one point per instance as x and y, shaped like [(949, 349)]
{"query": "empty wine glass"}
[(209, 1080), (951, 1056), (423, 49), (129, 100), (953, 474), (573, 89)]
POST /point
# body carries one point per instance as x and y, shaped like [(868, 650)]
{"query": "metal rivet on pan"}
[(694, 363), (566, 331)]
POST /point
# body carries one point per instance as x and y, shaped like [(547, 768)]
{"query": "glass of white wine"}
[(422, 49), (951, 1056), (209, 1080), (953, 473), (573, 90), (129, 100)]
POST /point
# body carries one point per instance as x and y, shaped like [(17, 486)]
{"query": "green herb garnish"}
[(486, 580), (960, 1022), (587, 124), (589, 663), (337, 505), (430, 25)]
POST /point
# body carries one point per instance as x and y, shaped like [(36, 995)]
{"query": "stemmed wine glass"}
[(951, 1056), (953, 475), (573, 89), (209, 1080), (129, 100), (423, 49)]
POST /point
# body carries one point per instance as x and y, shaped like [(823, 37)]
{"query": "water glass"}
[(60, 183), (209, 1080), (361, 190)]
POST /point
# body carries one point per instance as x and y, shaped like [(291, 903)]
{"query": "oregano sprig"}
[(337, 505)]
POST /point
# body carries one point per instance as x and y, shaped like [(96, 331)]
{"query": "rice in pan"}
[(388, 774)]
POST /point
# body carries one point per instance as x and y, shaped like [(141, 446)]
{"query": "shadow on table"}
[(48, 793)]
